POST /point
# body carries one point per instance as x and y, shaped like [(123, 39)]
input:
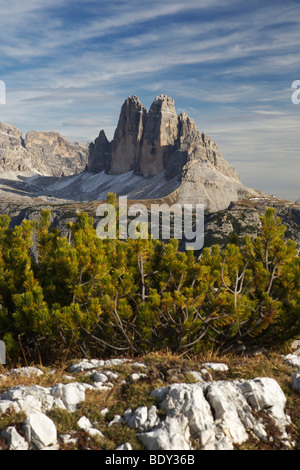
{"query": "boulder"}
[(142, 419), (40, 431), (125, 446), (216, 366), (85, 424), (14, 440), (34, 398), (70, 395), (292, 360)]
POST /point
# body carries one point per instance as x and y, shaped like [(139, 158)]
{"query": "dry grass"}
[(162, 369)]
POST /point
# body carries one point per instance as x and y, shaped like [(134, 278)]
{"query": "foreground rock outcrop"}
[(218, 415), (207, 414)]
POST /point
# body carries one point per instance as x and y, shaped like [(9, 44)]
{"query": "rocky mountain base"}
[(151, 404), (242, 218)]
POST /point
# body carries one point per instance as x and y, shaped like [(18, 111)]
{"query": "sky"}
[(69, 65)]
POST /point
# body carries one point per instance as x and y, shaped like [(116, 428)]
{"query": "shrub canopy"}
[(88, 296)]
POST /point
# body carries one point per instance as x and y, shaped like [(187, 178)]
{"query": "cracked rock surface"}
[(208, 414)]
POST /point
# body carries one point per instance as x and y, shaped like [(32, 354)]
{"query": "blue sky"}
[(69, 66)]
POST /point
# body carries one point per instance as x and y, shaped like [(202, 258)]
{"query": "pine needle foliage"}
[(89, 296)]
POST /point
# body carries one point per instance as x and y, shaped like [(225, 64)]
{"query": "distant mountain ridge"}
[(45, 153), (153, 154)]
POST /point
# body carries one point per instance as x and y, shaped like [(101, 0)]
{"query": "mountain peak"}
[(162, 153), (160, 142), (47, 153), (154, 141)]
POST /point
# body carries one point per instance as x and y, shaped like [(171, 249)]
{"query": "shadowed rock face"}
[(155, 141), (100, 154), (126, 145), (160, 136)]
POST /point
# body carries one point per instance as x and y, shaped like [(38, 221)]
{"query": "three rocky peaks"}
[(148, 144)]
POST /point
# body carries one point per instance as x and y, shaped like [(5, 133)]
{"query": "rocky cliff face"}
[(159, 141), (100, 154), (160, 136), (126, 145), (46, 153), (155, 141)]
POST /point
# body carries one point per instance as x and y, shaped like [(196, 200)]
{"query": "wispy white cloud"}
[(69, 65)]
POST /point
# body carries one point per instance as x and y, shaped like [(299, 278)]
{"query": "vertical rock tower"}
[(160, 136), (152, 142), (160, 143), (126, 145)]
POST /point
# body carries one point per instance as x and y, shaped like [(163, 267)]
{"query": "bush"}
[(88, 296)]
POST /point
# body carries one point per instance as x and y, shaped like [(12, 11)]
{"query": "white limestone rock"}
[(185, 405), (189, 400), (100, 377), (68, 439), (14, 440), (111, 375), (137, 376), (125, 446), (264, 393), (40, 431), (29, 399), (230, 410), (292, 360), (142, 419), (217, 414), (26, 371), (171, 434), (139, 364), (88, 364), (85, 424), (103, 377), (69, 394), (6, 405), (196, 375), (219, 367), (35, 398), (117, 419)]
